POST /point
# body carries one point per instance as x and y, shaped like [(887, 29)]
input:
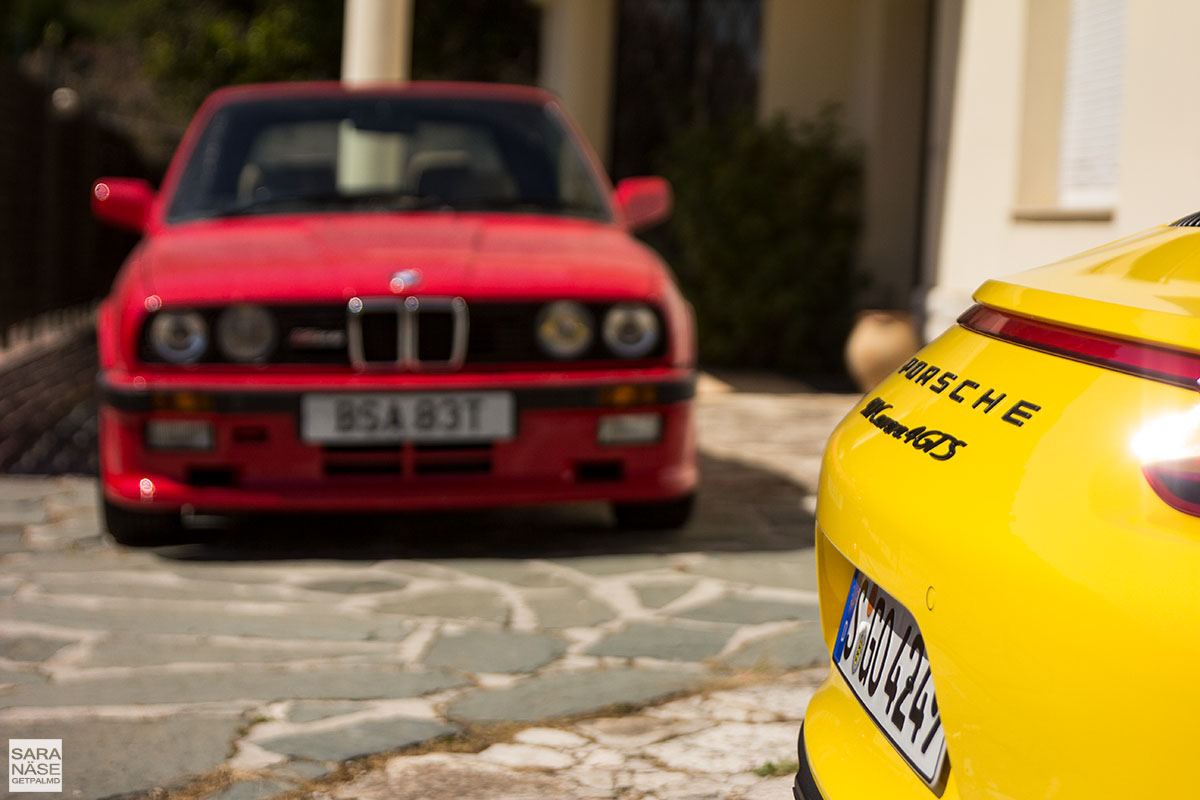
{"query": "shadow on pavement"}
[(762, 382), (739, 508)]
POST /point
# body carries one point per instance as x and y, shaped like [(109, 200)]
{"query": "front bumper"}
[(260, 463)]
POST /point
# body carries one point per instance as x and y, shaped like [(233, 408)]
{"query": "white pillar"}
[(377, 41), (578, 41), (376, 46)]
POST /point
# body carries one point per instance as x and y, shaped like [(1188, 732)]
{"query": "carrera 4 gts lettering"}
[(940, 445), (962, 390)]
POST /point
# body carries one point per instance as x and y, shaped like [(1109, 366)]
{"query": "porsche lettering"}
[(964, 390)]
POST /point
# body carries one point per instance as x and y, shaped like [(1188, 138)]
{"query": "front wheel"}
[(665, 516), (142, 528)]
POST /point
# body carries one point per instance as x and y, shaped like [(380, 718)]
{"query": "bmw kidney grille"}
[(428, 333)]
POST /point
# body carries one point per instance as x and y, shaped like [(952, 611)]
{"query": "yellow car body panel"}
[(1058, 594), (1145, 287)]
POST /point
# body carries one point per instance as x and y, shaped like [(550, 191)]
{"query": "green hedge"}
[(762, 239)]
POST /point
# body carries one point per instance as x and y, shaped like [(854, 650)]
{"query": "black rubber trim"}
[(668, 392), (805, 786)]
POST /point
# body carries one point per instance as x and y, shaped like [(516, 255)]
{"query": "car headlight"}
[(246, 333), (631, 329), (180, 337), (565, 329)]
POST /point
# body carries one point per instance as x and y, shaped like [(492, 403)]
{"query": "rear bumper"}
[(259, 462), (843, 754), (1053, 588), (805, 786)]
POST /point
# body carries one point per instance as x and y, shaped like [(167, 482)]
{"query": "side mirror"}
[(644, 202), (122, 202)]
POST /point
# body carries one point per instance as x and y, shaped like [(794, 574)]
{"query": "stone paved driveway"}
[(266, 656)]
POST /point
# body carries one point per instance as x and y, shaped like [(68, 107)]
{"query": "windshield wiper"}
[(387, 200), (525, 204)]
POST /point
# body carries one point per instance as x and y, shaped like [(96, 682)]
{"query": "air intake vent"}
[(1190, 221)]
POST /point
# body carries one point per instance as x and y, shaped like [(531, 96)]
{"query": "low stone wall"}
[(47, 395)]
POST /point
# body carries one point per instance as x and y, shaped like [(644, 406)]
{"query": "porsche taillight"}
[(1168, 446), (1177, 482), (1158, 363)]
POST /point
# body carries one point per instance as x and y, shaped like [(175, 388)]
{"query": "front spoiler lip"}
[(667, 392), (379, 497)]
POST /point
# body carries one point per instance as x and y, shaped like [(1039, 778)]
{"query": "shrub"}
[(762, 239)]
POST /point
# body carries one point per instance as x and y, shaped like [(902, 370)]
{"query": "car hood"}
[(1144, 287), (335, 257)]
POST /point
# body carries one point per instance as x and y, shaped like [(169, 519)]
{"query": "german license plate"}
[(392, 417), (881, 654)]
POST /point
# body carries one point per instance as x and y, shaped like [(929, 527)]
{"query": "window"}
[(1091, 114), (385, 153), (1070, 136)]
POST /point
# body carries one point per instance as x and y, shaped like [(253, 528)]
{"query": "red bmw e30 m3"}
[(417, 296)]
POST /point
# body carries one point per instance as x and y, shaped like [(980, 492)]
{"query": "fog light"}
[(179, 434), (629, 429)]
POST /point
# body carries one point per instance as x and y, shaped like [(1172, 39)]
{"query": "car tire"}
[(666, 516), (142, 528)]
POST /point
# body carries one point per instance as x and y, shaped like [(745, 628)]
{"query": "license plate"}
[(393, 417), (881, 654)]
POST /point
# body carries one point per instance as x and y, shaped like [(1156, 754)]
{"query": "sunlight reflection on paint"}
[(1171, 437)]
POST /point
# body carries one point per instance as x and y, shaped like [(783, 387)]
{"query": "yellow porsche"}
[(1008, 548)]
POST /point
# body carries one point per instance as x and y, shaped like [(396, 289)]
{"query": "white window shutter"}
[(1091, 124)]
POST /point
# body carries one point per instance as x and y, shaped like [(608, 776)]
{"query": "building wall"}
[(811, 58), (894, 155), (998, 216), (868, 58)]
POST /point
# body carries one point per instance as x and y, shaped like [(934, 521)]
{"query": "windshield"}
[(379, 153)]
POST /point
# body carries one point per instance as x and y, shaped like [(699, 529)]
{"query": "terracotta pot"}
[(880, 343)]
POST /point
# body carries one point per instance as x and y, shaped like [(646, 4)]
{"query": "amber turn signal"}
[(181, 401), (625, 395)]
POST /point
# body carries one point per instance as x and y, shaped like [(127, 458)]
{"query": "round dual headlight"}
[(179, 337), (631, 330), (246, 333), (565, 329)]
